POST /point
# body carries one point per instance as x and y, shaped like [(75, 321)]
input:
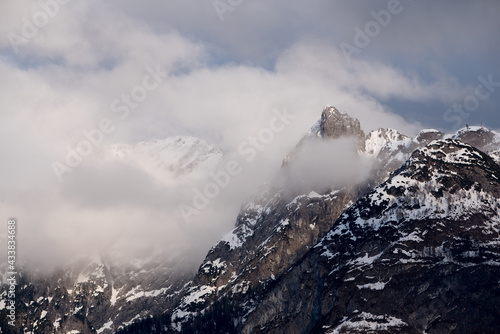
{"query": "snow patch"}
[(373, 286), (237, 237), (314, 194), (282, 224), (368, 322), (105, 326), (114, 295), (196, 295)]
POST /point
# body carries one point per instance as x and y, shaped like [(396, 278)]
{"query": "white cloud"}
[(323, 166), (90, 53)]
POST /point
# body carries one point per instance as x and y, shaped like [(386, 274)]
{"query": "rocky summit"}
[(412, 245), (333, 124)]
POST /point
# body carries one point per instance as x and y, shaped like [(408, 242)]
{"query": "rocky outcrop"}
[(333, 124), (269, 238)]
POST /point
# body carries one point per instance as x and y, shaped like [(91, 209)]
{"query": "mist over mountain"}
[(274, 235), (350, 218)]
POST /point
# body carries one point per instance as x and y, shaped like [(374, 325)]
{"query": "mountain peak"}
[(428, 135), (336, 124), (177, 156), (455, 155), (333, 124), (480, 137)]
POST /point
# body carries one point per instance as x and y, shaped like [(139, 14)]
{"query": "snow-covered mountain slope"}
[(386, 140), (483, 138), (169, 159), (420, 253), (389, 149), (95, 294)]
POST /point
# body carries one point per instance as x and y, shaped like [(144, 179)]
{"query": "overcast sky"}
[(219, 71)]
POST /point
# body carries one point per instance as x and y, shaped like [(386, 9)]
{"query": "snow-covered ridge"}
[(176, 153), (476, 129), (454, 152), (169, 158), (387, 139), (422, 191), (390, 140)]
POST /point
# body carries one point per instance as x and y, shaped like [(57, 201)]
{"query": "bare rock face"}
[(335, 124), (426, 136), (483, 138), (269, 238)]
